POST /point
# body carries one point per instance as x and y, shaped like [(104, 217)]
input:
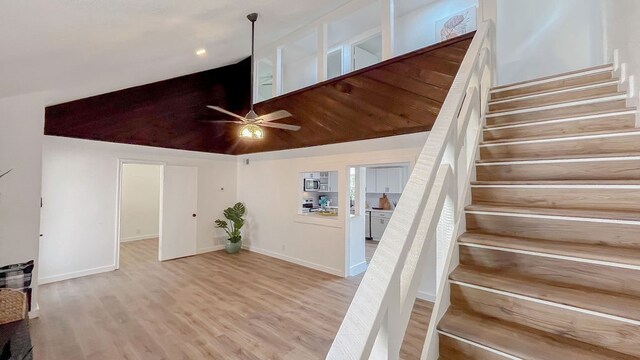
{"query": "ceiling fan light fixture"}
[(251, 131)]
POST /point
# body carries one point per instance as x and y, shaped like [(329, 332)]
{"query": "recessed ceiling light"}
[(201, 52)]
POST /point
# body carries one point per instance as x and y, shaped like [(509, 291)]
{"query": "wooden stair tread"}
[(559, 136), (548, 268), (559, 182), (560, 157), (553, 99), (550, 77), (606, 253), (577, 213), (569, 87), (520, 341), (585, 115), (616, 304), (566, 102)]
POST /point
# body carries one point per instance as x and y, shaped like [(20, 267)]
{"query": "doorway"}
[(373, 195), (367, 52), (140, 213)]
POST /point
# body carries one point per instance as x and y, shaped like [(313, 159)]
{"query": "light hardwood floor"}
[(210, 306), (370, 247)]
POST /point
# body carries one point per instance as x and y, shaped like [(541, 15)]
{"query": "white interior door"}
[(179, 205)]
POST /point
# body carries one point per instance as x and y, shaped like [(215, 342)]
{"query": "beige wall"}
[(140, 206)]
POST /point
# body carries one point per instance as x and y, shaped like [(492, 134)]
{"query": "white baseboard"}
[(35, 312), (139, 237), (358, 268), (75, 274), (210, 249), (300, 262), (426, 296)]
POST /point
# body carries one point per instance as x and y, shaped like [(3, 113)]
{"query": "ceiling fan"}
[(253, 122)]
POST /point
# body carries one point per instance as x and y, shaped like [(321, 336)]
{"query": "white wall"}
[(140, 204), (271, 189), (546, 37), (621, 17), (417, 28), (79, 186), (21, 124), (300, 73)]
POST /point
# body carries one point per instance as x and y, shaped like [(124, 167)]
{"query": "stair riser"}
[(554, 98), (579, 170), (453, 349), (560, 198), (570, 273), (578, 127), (587, 232), (592, 146), (611, 334), (553, 85), (608, 303), (558, 113)]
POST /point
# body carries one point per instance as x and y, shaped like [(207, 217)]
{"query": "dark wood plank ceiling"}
[(399, 96)]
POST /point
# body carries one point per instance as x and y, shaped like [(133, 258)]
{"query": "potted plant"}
[(232, 227)]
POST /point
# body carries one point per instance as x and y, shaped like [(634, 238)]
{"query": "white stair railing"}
[(430, 209)]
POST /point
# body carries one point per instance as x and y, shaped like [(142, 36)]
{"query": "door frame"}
[(121, 163), (399, 161)]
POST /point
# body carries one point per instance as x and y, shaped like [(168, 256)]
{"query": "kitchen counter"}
[(382, 211)]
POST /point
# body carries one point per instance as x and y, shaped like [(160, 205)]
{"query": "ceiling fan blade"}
[(217, 108), (281, 126), (276, 115), (223, 121)]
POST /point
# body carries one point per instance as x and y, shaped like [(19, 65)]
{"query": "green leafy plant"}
[(236, 221)]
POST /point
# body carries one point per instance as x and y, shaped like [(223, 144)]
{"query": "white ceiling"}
[(77, 48)]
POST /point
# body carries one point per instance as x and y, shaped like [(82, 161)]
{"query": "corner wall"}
[(270, 187), (80, 191), (21, 124), (621, 18), (546, 37)]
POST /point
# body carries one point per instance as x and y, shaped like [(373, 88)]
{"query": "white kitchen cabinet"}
[(395, 180), (333, 181), (381, 180), (389, 180), (379, 222), (371, 180), (386, 180)]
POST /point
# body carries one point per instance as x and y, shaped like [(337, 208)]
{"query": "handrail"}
[(429, 210)]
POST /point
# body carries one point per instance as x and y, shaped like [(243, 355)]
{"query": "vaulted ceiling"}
[(402, 95), (72, 49)]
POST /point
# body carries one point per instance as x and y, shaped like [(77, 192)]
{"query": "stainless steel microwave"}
[(311, 185)]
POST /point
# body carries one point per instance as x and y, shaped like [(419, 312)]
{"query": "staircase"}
[(549, 265)]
